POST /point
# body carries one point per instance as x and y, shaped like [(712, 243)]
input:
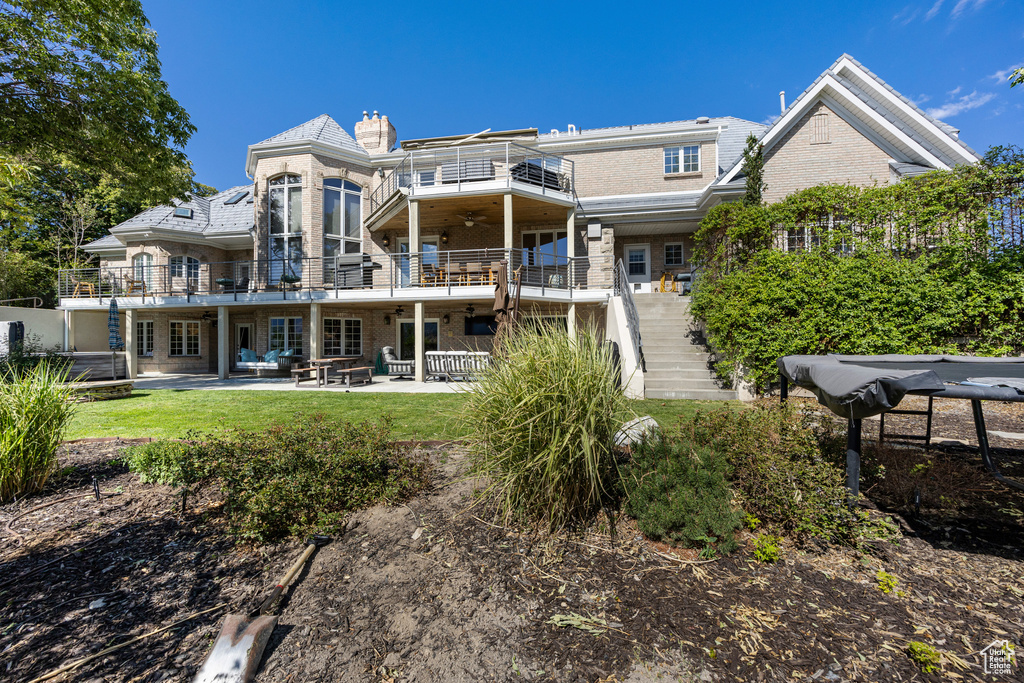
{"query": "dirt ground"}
[(429, 591)]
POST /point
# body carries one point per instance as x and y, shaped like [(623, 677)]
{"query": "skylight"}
[(237, 197), (183, 212)]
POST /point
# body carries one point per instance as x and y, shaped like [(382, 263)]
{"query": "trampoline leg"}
[(986, 455), (784, 391), (853, 460)]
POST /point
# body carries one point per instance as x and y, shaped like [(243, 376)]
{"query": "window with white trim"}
[(184, 338), (682, 159), (144, 338), (343, 337), (691, 158), (286, 335), (285, 216), (671, 160), (343, 225), (184, 265), (142, 269), (673, 254)]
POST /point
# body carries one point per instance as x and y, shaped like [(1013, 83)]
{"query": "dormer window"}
[(183, 212)]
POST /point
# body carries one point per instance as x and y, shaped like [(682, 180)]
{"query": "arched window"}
[(182, 266), (285, 216), (343, 232), (142, 269)]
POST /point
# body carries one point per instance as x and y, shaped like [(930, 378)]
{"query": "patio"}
[(246, 382)]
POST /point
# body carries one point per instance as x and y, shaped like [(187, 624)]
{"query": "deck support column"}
[(508, 222), (67, 331), (570, 321), (415, 245), (223, 349), (131, 356), (419, 309), (314, 331)]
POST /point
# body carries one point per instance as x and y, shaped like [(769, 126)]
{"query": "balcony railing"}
[(426, 269), (458, 168)]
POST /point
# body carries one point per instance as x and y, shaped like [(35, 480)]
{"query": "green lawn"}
[(171, 413)]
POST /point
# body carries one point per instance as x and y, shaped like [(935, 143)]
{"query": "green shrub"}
[(35, 409), (787, 465), (925, 656), (541, 422), (176, 463), (306, 476), (679, 493), (887, 583), (766, 548)]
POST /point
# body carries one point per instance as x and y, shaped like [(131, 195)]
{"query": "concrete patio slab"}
[(240, 382)]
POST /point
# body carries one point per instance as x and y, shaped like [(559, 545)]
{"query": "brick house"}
[(343, 245)]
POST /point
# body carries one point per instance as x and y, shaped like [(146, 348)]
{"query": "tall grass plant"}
[(35, 409), (541, 420)]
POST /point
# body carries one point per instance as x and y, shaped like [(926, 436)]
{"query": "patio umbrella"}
[(114, 325), (502, 315)]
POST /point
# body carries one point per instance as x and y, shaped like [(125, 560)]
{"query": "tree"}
[(753, 169), (1017, 77), (81, 79)]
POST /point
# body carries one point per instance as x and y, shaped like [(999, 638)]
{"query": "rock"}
[(636, 431), (392, 661), (98, 604)]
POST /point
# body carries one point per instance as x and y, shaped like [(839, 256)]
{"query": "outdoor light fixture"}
[(470, 310), (380, 172), (387, 319), (386, 241), (445, 319), (444, 237)]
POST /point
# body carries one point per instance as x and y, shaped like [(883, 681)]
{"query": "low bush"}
[(35, 409), (294, 479), (766, 548), (787, 464), (926, 657), (541, 422), (679, 493)]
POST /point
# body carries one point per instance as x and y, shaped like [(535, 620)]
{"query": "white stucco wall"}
[(43, 326)]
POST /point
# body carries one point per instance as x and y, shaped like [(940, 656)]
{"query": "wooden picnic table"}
[(323, 365)]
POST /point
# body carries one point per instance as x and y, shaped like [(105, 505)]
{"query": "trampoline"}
[(855, 387)]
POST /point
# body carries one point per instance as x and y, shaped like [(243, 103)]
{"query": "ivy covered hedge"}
[(930, 265)]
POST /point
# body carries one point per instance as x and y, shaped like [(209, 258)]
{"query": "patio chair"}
[(437, 365), (83, 286), (133, 285), (397, 369)]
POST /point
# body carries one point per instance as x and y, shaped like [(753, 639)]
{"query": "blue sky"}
[(247, 70)]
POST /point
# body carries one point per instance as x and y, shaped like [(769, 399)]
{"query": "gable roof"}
[(879, 112), (211, 217)]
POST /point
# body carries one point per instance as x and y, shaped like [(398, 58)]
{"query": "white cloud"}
[(1004, 74), (906, 15), (954, 91), (934, 10), (964, 5), (770, 120), (920, 99), (965, 103)]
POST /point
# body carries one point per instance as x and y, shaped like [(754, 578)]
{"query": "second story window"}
[(184, 266), (682, 159), (285, 228), (343, 231)]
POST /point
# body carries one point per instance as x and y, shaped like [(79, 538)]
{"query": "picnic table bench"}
[(347, 376), (306, 373)]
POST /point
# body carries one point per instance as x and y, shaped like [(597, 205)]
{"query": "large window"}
[(182, 266), (144, 338), (184, 338), (286, 335), (343, 233), (673, 254), (142, 270), (285, 228), (343, 337)]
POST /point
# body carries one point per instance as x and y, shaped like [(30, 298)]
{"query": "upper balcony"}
[(354, 278), (474, 169)]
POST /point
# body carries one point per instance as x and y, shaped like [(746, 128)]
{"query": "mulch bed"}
[(432, 591)]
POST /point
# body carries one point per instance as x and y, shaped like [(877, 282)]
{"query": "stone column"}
[(415, 243), (131, 352), (314, 331), (223, 343), (508, 221), (571, 323), (421, 357)]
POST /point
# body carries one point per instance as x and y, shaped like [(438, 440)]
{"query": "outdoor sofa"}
[(271, 363)]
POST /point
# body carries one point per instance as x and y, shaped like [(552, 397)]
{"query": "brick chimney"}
[(376, 135)]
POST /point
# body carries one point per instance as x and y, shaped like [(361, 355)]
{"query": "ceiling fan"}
[(470, 220)]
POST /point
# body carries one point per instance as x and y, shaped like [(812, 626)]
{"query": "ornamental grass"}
[(541, 420), (35, 409)]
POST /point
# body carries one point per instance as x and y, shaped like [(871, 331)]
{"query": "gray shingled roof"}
[(321, 129), (210, 216)]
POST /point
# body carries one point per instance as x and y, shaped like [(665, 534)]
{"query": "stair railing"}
[(623, 290)]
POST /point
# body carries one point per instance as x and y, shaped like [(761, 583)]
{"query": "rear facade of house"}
[(344, 244)]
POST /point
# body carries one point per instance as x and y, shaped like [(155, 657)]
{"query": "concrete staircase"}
[(676, 368)]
